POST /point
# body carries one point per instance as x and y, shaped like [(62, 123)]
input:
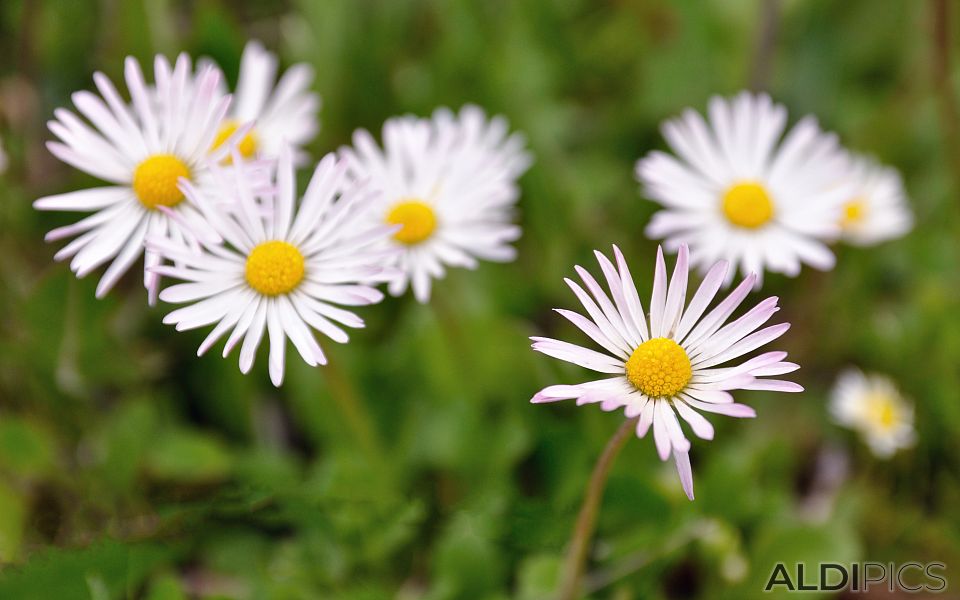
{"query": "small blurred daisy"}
[(282, 269), (737, 192), (877, 210), (143, 151), (872, 405), (282, 112), (668, 364), (450, 183)]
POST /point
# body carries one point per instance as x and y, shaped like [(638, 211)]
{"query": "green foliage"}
[(413, 466)]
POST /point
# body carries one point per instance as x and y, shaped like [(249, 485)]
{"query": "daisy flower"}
[(672, 362), (449, 182), (282, 270), (872, 405), (736, 191), (142, 151), (877, 209), (282, 112)]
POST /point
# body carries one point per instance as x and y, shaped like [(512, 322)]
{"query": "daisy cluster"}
[(740, 193), (201, 183)]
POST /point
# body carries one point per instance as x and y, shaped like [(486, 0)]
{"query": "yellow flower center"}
[(274, 268), (418, 221), (853, 212), (882, 411), (247, 146), (155, 180), (747, 204), (659, 368)]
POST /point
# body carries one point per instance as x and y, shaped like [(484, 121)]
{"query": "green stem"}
[(570, 589), (765, 45), (949, 116), (354, 411)]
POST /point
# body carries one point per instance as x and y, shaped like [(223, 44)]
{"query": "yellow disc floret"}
[(882, 411), (417, 218), (247, 146), (274, 268), (155, 180), (853, 212), (659, 368), (747, 204)]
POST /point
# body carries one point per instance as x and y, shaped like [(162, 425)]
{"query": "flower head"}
[(274, 266), (872, 406), (877, 209), (735, 191), (449, 183), (282, 112), (671, 363), (143, 151)]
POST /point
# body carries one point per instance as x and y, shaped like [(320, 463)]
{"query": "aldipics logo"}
[(910, 577)]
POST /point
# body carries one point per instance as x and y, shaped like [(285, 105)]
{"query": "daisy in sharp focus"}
[(671, 363), (877, 209), (282, 112), (283, 270), (736, 191), (872, 405), (450, 182), (142, 150)]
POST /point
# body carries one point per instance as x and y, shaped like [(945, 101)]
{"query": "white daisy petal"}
[(83, 200), (246, 319), (577, 355), (716, 318), (682, 460), (676, 295), (774, 385), (615, 285), (251, 339), (609, 311), (599, 317), (661, 437), (278, 343), (590, 328), (646, 418), (702, 298), (740, 411), (659, 297), (700, 425), (678, 441), (240, 304), (637, 317)]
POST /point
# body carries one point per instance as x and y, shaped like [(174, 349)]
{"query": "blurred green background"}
[(414, 467)]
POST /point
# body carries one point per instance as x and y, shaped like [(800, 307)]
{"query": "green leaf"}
[(184, 455), (27, 448)]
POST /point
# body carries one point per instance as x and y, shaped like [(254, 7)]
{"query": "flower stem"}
[(354, 412), (587, 519), (766, 42), (941, 20)]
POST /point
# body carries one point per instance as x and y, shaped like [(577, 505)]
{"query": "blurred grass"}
[(130, 468)]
